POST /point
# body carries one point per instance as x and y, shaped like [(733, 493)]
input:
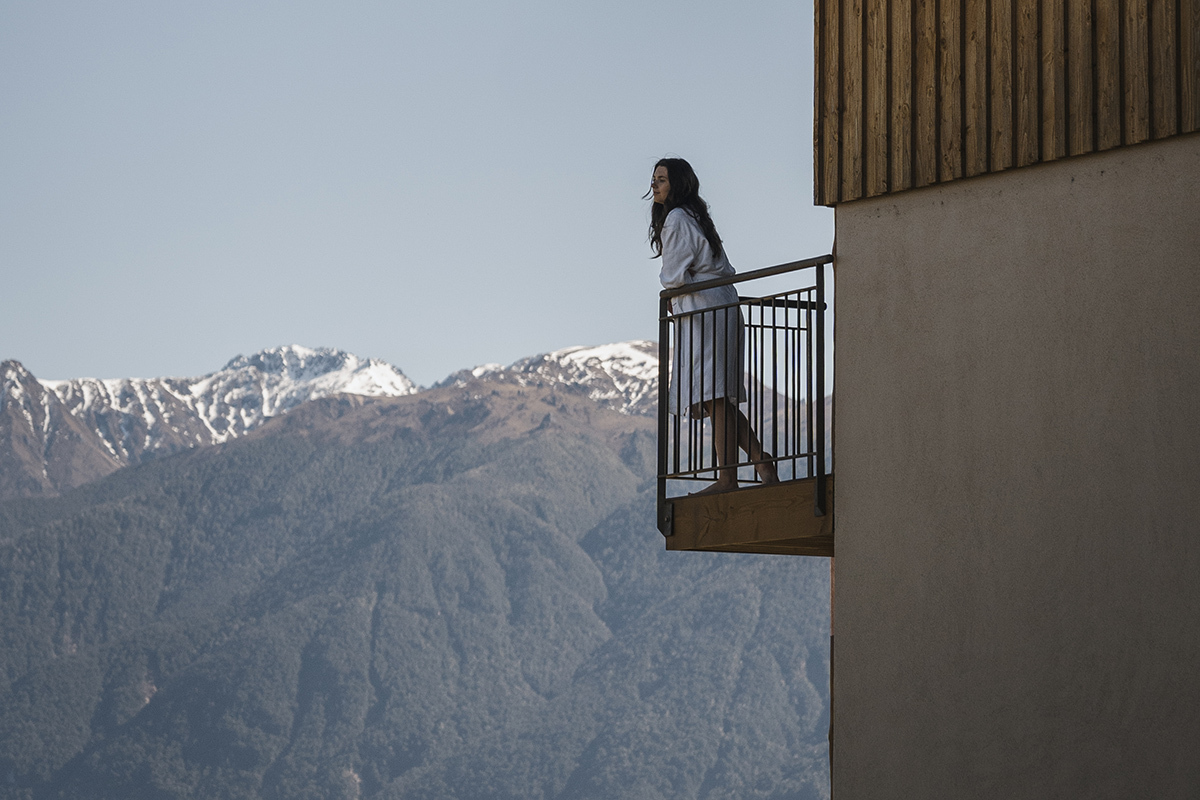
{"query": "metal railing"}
[(742, 385)]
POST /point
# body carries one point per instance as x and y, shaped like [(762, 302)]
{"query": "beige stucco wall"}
[(1018, 499)]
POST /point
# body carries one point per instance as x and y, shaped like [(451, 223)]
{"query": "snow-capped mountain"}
[(621, 376), (57, 434), (141, 418)]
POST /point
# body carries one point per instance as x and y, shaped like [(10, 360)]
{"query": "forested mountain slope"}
[(454, 594)]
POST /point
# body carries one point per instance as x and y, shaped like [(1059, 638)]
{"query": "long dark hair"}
[(685, 194)]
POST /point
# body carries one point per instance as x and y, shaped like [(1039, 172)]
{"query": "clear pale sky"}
[(437, 184)]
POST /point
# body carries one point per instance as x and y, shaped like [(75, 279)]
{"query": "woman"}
[(706, 369)]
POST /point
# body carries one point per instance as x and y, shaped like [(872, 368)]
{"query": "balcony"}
[(717, 488)]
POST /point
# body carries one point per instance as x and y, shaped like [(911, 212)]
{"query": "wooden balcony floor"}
[(760, 519)]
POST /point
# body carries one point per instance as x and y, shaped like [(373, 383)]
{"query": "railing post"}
[(819, 395), (665, 507)]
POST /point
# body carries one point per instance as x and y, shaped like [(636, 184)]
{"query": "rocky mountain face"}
[(143, 418), (457, 593), (621, 376), (44, 449), (64, 433)]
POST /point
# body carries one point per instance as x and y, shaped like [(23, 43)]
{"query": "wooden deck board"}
[(762, 519)]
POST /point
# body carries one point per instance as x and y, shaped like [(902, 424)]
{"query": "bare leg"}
[(748, 441), (753, 447), (732, 430), (724, 443)]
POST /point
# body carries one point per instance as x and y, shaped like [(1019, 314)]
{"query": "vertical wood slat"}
[(1054, 81), (820, 77), (1136, 72), (852, 96), (902, 88), (1163, 57), (1189, 72), (975, 111), (950, 163), (1107, 58), (875, 87), (1000, 137), (925, 94), (1081, 111), (1028, 65), (830, 110)]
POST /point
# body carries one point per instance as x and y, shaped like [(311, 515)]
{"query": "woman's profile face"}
[(660, 185)]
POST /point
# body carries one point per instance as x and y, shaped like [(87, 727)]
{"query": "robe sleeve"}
[(680, 248)]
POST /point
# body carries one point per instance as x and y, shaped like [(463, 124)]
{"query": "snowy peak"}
[(325, 371), (622, 376), (21, 396), (291, 375), (14, 382), (141, 418), (43, 449)]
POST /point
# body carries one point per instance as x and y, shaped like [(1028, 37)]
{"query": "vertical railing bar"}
[(732, 393), (760, 359), (793, 391), (810, 379), (765, 353), (801, 382), (713, 454), (797, 387), (764, 344), (775, 376), (663, 413), (810, 412), (760, 351), (761, 371), (675, 422), (696, 433), (786, 351), (773, 392), (819, 395), (685, 401), (677, 358), (753, 346)]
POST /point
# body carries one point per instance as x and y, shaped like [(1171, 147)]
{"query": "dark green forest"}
[(420, 604)]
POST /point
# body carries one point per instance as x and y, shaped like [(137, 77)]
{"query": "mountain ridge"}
[(622, 375), (63, 433)]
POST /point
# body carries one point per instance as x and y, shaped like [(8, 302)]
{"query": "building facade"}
[(1017, 446)]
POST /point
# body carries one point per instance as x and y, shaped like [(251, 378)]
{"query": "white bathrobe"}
[(707, 362)]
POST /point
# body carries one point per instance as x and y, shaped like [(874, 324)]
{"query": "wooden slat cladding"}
[(1054, 81), (900, 151), (876, 101), (975, 76), (950, 104), (1106, 55), (853, 108), (1081, 78), (915, 92), (1188, 17), (1164, 103), (925, 93)]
